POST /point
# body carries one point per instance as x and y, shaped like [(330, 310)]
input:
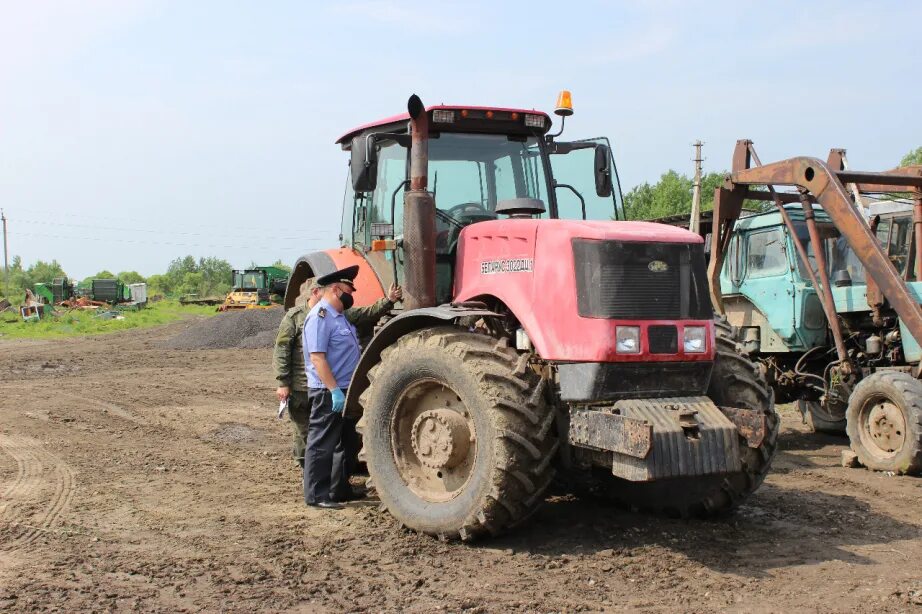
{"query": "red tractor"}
[(540, 331)]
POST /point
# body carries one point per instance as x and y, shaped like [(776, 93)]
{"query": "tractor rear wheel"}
[(884, 422), (736, 381), (457, 433), (819, 419)]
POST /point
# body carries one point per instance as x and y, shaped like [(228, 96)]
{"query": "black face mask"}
[(346, 300)]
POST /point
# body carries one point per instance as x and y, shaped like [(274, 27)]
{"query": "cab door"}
[(759, 272), (573, 167)]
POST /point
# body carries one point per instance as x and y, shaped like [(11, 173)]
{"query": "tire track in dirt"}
[(37, 468), (111, 408)]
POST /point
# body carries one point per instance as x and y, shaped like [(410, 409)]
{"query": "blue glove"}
[(339, 401)]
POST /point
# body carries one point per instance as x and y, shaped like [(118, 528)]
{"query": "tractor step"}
[(652, 439)]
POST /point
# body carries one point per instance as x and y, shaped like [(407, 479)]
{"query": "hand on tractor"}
[(282, 392), (394, 293), (339, 400)]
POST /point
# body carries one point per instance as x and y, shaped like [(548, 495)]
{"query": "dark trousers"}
[(326, 472), (352, 444)]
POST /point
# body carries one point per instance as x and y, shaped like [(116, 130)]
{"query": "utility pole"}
[(694, 223), (6, 262)]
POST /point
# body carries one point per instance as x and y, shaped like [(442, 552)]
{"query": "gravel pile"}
[(248, 328)]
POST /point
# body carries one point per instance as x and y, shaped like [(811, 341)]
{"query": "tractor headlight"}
[(627, 339), (695, 341)]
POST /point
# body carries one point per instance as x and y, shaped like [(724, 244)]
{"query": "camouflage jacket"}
[(288, 359)]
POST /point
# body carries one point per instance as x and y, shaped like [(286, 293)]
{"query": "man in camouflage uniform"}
[(288, 358)]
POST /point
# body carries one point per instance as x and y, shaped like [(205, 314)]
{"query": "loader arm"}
[(815, 178)]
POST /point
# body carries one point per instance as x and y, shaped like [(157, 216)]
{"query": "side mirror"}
[(364, 164), (602, 169)]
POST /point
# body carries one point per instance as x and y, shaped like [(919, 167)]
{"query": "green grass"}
[(81, 322)]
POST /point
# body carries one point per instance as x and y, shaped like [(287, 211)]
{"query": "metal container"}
[(107, 290), (138, 293)]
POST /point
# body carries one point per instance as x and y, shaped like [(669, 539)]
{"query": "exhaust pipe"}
[(418, 216)]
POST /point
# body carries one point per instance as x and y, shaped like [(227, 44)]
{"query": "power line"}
[(148, 222), (171, 243), (172, 232)]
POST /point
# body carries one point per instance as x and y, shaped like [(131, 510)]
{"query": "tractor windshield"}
[(469, 174), (248, 280), (839, 254)]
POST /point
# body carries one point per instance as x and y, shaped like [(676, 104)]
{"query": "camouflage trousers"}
[(299, 411)]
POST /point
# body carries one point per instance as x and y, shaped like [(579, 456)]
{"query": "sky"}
[(135, 132)]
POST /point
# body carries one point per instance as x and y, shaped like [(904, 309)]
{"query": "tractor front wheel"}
[(457, 434), (884, 422)]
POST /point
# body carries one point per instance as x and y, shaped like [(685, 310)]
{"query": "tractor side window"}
[(349, 205), (576, 170), (765, 256), (392, 173), (898, 249), (732, 262), (840, 257)]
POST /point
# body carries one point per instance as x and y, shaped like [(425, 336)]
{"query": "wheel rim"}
[(433, 441), (883, 427)]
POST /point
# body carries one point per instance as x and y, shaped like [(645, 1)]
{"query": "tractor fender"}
[(369, 287), (307, 266), (406, 322)]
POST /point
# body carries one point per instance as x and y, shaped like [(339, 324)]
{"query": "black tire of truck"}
[(884, 422), (736, 381), (458, 436)]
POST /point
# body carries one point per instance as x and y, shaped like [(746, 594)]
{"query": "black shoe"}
[(328, 505), (353, 495)]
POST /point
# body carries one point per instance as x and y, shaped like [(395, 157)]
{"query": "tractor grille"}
[(640, 281), (663, 339)]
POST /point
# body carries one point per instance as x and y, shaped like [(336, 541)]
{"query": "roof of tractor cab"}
[(771, 217), (503, 117)]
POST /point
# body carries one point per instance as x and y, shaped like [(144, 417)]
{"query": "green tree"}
[(281, 265), (913, 157), (192, 283), (44, 272), (130, 277), (19, 280), (217, 275), (671, 195), (177, 270), (159, 284)]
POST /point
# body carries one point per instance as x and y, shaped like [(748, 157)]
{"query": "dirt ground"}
[(138, 478)]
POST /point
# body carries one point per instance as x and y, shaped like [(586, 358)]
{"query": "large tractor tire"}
[(735, 382), (819, 419), (457, 434), (884, 422)]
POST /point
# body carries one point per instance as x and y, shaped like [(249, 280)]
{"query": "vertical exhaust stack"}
[(418, 216)]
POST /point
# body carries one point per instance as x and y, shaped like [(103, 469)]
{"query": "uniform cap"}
[(344, 276)]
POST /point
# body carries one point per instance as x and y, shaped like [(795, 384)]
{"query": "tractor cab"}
[(485, 164), (249, 280)]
